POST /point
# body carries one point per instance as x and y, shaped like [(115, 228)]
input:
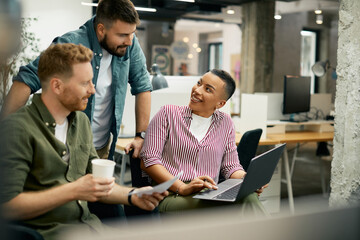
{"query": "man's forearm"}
[(142, 110), (118, 196), (28, 205), (17, 97)]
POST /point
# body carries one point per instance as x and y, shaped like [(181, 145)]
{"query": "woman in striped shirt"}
[(197, 139)]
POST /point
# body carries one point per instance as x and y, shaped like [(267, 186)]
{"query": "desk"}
[(120, 148), (297, 137), (302, 136), (263, 141), (271, 139)]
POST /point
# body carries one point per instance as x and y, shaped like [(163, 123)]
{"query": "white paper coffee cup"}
[(103, 168)]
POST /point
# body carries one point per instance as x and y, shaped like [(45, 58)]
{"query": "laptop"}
[(259, 173)]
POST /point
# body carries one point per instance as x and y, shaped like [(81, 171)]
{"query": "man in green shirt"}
[(47, 154)]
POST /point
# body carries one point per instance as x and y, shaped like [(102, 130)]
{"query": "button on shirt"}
[(169, 142)]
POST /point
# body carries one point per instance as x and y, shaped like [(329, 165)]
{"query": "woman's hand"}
[(196, 185), (260, 190)]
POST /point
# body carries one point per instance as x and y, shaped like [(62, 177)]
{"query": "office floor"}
[(306, 180)]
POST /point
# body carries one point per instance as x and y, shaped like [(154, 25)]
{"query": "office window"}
[(215, 55), (308, 56)]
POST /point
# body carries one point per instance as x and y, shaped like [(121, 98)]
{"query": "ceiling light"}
[(198, 49), (143, 9), (89, 4), (230, 11), (277, 16), (195, 45), (190, 56), (190, 1), (318, 11), (319, 19), (186, 39)]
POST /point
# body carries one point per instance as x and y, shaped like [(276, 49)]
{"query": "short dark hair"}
[(109, 11), (229, 82)]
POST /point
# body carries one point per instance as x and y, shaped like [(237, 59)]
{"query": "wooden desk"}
[(297, 137), (122, 142)]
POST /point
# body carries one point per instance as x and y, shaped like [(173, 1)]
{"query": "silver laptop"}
[(259, 173)]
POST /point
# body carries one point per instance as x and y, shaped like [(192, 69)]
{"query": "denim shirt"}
[(131, 68)]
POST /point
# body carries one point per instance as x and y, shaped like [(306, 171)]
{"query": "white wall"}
[(231, 44), (55, 17)]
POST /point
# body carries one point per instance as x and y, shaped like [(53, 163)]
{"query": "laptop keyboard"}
[(231, 193)]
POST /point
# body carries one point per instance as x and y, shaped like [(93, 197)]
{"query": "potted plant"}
[(27, 52)]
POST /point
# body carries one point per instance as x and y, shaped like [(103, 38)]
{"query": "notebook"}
[(259, 173)]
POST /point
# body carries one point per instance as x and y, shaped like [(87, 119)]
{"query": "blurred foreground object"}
[(10, 28)]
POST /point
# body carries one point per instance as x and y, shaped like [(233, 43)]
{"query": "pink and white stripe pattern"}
[(170, 143)]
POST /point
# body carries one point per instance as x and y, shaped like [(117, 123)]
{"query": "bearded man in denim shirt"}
[(118, 60)]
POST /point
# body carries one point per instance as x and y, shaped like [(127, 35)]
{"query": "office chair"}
[(137, 180), (247, 146), (323, 151)]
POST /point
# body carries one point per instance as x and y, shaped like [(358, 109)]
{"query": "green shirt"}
[(31, 160)]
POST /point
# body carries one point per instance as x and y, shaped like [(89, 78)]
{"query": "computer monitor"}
[(296, 94)]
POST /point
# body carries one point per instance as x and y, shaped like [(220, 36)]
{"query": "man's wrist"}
[(129, 197), (140, 134)]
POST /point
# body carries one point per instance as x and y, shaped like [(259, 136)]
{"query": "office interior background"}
[(244, 38)]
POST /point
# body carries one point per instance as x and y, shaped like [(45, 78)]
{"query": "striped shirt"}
[(170, 143)]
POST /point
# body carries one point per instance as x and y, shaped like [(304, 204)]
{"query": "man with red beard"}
[(46, 157)]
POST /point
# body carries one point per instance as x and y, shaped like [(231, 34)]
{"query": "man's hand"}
[(148, 202), (92, 189), (196, 185), (136, 144)]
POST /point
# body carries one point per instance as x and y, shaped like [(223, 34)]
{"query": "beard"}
[(116, 51), (74, 102)]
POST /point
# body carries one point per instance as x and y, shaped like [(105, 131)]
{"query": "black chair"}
[(106, 212), (137, 180), (323, 151), (247, 146)]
